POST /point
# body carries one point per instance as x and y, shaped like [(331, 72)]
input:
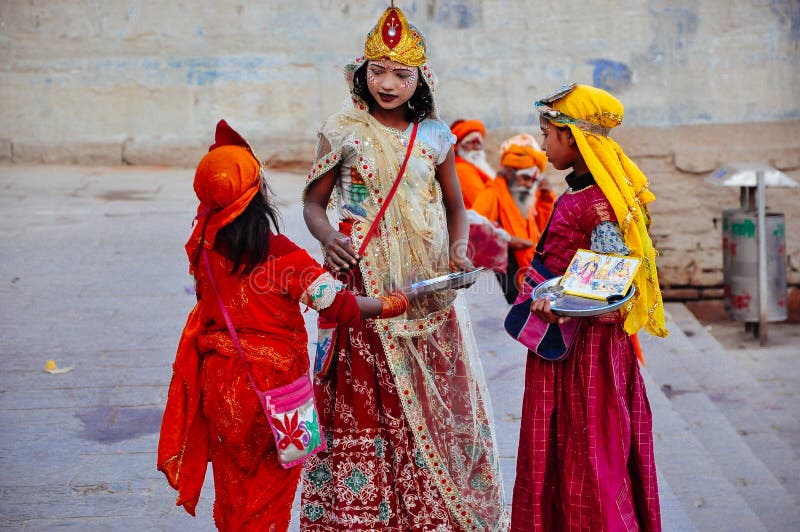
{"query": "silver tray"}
[(577, 306), (450, 280)]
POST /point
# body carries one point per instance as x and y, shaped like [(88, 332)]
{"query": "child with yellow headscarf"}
[(585, 455)]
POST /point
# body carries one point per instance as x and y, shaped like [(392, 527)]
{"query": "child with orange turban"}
[(585, 458), (212, 412)]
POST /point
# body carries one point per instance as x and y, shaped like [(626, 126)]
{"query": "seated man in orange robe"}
[(473, 170), (520, 201)]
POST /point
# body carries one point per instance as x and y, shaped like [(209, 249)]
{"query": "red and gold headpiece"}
[(394, 39)]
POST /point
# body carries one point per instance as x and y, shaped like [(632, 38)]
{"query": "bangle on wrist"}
[(393, 304)]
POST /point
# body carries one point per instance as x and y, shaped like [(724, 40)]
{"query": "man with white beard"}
[(520, 201), (473, 170)]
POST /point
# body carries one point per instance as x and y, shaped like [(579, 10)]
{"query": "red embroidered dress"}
[(212, 411), (585, 458)]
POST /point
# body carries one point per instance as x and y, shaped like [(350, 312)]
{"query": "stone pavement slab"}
[(724, 421), (705, 497), (93, 275)]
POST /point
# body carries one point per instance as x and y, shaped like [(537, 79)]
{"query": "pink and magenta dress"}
[(585, 459)]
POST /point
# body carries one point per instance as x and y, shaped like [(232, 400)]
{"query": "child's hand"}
[(339, 251), (541, 309), (411, 294), (461, 264)]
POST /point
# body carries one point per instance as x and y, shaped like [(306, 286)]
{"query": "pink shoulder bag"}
[(290, 410)]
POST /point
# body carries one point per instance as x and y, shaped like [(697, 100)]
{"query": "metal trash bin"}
[(740, 265), (753, 257)]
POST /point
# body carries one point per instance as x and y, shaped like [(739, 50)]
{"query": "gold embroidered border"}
[(460, 511), (322, 165)]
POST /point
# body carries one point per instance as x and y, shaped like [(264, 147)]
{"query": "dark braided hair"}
[(245, 241), (420, 106)]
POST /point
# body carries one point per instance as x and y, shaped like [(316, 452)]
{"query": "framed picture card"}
[(599, 275)]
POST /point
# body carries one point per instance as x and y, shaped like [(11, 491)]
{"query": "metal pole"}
[(762, 258)]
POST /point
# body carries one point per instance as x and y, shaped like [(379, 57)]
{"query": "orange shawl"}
[(473, 182), (497, 204)]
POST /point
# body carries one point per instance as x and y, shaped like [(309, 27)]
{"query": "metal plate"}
[(450, 280), (579, 306)]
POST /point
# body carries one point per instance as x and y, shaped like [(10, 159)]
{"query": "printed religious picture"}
[(599, 275)]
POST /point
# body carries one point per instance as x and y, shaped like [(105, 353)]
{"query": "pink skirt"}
[(585, 459)]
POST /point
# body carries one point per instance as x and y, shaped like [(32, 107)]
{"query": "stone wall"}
[(686, 214), (143, 82)]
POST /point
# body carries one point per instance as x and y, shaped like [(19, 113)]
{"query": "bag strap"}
[(228, 321), (390, 195)]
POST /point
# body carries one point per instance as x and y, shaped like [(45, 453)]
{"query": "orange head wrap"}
[(226, 180), (521, 157), (522, 151), (461, 128)]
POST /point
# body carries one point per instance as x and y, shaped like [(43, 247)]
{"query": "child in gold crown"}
[(585, 457), (404, 403)]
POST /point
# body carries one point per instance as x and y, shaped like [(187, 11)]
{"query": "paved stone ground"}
[(93, 276)]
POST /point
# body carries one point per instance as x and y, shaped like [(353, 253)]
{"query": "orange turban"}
[(461, 128), (520, 157), (226, 180), (522, 151)]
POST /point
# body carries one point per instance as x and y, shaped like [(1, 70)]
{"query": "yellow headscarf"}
[(590, 113)]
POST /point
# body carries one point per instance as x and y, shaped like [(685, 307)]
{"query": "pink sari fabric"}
[(585, 459)]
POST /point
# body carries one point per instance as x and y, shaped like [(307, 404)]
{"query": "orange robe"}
[(473, 181), (212, 412), (497, 204)]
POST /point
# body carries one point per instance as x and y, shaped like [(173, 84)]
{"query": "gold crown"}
[(394, 39)]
